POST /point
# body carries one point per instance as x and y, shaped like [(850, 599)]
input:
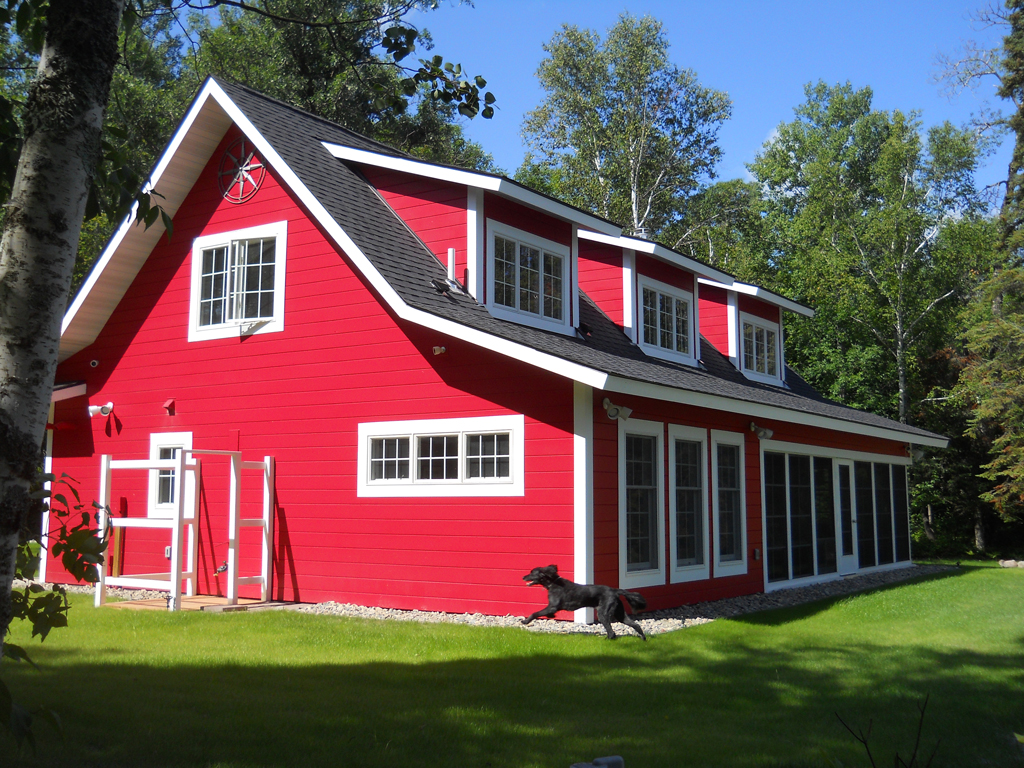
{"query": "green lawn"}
[(280, 688)]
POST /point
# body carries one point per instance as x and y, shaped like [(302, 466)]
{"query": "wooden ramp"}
[(198, 603)]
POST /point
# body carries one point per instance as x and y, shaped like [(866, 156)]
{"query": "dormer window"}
[(760, 355), (529, 278), (666, 321)]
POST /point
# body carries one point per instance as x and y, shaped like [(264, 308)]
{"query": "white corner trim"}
[(732, 318), (762, 294), (475, 249), (583, 492), (496, 184), (629, 293), (514, 485), (660, 252)]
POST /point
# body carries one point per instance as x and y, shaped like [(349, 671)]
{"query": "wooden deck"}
[(195, 603)]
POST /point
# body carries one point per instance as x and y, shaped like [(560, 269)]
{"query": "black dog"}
[(565, 595)]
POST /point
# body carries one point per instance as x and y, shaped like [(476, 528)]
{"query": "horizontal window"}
[(238, 283), (442, 457)]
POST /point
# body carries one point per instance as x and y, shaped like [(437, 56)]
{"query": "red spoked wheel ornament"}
[(241, 172)]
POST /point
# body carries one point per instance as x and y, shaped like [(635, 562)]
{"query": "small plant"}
[(898, 761)]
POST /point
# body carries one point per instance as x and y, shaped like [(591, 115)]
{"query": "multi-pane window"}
[(437, 457), (529, 278), (666, 320), (236, 282), (642, 508), (165, 488), (730, 502), (389, 458), (761, 348), (882, 524), (488, 456), (689, 502)]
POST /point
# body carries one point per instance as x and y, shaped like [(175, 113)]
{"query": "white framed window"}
[(238, 282), (729, 502), (760, 349), (666, 322), (473, 456), (164, 484), (688, 509), (641, 504), (529, 278)]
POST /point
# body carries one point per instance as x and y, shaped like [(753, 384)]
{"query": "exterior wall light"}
[(100, 410), (620, 412), (763, 433)]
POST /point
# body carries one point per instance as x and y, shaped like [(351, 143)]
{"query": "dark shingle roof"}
[(408, 266)]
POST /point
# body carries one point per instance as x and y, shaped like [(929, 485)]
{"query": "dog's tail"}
[(635, 599)]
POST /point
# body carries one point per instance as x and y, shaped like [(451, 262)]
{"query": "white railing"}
[(183, 518)]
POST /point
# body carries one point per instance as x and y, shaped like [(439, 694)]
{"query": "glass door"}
[(846, 518)]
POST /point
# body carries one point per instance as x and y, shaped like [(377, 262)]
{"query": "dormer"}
[(651, 291), (744, 322), (514, 250)]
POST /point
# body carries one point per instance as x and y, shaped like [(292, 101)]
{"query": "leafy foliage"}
[(630, 134)]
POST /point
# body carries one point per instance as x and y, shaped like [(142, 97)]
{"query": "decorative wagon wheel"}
[(241, 172)]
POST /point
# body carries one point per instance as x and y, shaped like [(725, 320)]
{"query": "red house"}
[(442, 379)]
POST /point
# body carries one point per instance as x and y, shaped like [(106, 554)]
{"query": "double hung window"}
[(688, 471), (730, 508), (442, 457), (760, 351), (641, 503), (238, 282), (530, 278), (666, 321)]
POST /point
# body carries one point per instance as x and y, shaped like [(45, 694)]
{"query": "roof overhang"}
[(490, 183), (763, 294), (659, 252)]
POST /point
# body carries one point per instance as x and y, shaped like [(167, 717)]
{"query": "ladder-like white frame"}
[(177, 523)]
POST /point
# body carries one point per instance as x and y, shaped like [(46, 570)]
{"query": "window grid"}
[(237, 282), (484, 456), (760, 349), (389, 458), (666, 321), (641, 503), (528, 278), (488, 456), (166, 485), (689, 492), (438, 457), (730, 507)]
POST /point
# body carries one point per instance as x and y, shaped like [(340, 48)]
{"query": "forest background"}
[(869, 216)]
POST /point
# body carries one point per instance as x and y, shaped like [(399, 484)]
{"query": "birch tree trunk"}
[(63, 120)]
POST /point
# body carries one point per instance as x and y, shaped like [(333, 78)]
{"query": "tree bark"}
[(63, 121)]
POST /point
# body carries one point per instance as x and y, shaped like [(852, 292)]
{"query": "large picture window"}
[(238, 283), (666, 321), (882, 522), (530, 277), (442, 457)]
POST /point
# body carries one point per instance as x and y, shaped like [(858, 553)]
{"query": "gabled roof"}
[(401, 269)]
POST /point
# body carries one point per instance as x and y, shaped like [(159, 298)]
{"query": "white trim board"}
[(495, 184), (660, 252), (762, 294)]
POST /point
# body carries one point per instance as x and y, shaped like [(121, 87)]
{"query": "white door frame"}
[(846, 563)]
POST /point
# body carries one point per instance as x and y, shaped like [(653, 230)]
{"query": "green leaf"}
[(17, 653)]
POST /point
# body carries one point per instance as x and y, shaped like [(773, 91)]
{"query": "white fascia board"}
[(99, 274), (764, 411), (660, 252), (66, 393), (763, 294), (483, 181)]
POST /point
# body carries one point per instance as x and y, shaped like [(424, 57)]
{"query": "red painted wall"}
[(714, 317), (600, 277), (665, 273), (434, 210), (759, 308), (606, 504), (299, 395)]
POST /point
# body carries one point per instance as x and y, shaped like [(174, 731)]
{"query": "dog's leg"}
[(605, 619), (630, 622), (548, 612)]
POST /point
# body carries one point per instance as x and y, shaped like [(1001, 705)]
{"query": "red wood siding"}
[(606, 495), (299, 396), (665, 273), (434, 210), (527, 219), (600, 277), (759, 308), (714, 317)]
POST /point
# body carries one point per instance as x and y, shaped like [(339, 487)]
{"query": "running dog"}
[(565, 595)]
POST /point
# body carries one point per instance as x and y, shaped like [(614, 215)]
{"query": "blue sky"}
[(760, 53)]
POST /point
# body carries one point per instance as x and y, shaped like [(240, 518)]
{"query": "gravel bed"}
[(653, 622)]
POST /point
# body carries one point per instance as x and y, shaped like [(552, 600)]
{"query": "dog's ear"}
[(553, 569)]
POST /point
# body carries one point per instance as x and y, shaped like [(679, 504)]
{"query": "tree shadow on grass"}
[(724, 698)]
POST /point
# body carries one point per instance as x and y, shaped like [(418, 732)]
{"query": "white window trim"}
[(729, 567), (496, 228), (679, 574), (653, 576), (236, 329), (514, 485), (655, 350), (158, 440), (767, 325)]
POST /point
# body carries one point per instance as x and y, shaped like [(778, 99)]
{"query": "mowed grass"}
[(141, 688)]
